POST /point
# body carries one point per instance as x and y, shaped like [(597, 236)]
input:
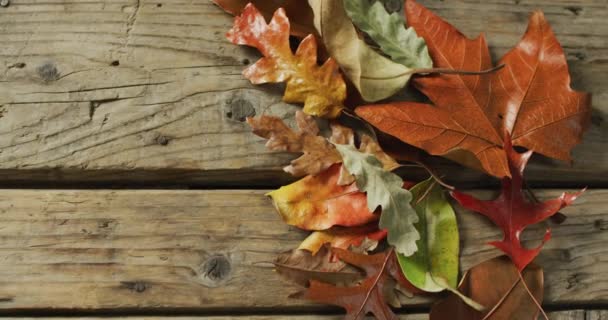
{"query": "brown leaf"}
[(530, 98), (318, 153), (382, 270), (301, 266), (487, 283), (299, 12)]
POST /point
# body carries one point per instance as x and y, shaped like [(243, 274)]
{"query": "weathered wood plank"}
[(558, 315), (114, 90), (207, 250)]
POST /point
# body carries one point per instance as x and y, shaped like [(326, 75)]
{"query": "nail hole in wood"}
[(136, 286), (115, 63)]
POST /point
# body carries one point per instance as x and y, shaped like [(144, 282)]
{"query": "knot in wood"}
[(137, 286), (48, 72), (4, 3), (239, 109), (215, 271)]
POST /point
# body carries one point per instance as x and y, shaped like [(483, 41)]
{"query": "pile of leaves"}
[(376, 239)]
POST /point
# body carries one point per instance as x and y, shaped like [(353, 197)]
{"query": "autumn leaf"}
[(344, 238), (318, 153), (375, 76), (302, 266), (512, 212), (530, 98), (384, 190), (318, 202), (320, 88), (299, 13), (370, 296), (388, 31), (488, 283), (434, 267)]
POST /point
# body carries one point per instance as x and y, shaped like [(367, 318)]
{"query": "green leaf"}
[(375, 76), (389, 32), (434, 267), (384, 189)]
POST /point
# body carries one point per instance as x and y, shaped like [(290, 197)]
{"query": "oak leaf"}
[(370, 296), (299, 13), (318, 202), (363, 238), (318, 153), (530, 98), (388, 31), (302, 266), (320, 88), (384, 190), (487, 283), (512, 212), (375, 76)]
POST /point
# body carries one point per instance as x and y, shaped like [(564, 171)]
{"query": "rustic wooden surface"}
[(210, 249), (141, 93), (151, 91)]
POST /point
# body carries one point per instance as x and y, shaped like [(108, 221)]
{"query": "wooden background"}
[(132, 186)]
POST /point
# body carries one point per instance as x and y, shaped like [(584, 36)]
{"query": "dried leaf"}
[(345, 238), (384, 189), (487, 283), (318, 202), (318, 155), (301, 266), (512, 212), (375, 76), (370, 296), (435, 264), (321, 89), (388, 31), (530, 98), (299, 12)]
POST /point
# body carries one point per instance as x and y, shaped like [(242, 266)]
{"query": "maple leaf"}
[(318, 202), (321, 89), (512, 212), (299, 13), (345, 238), (530, 98), (367, 297)]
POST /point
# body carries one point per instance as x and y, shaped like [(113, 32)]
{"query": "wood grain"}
[(558, 315), (209, 250), (140, 90)]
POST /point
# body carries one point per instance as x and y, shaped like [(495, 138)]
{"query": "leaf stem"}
[(540, 308), (502, 299), (382, 270), (455, 71)]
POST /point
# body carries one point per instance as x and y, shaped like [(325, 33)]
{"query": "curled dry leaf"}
[(388, 31), (301, 267), (384, 190), (364, 238), (370, 296), (320, 88), (512, 212), (318, 153), (530, 98), (299, 12), (375, 76), (488, 283), (319, 203)]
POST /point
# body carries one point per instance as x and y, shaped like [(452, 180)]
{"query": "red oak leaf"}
[(512, 212)]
